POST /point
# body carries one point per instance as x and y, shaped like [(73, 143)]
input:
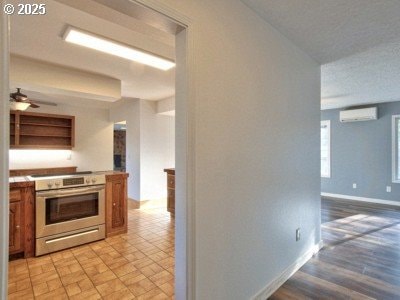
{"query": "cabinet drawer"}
[(171, 181), (15, 195)]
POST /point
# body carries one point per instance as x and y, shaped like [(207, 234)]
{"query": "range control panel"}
[(68, 181)]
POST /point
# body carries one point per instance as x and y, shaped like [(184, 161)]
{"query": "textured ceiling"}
[(40, 38), (369, 77), (357, 42), (332, 29)]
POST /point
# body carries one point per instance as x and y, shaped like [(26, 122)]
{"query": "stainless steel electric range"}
[(70, 210)]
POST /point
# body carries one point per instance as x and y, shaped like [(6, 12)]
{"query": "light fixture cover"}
[(19, 105), (96, 42)]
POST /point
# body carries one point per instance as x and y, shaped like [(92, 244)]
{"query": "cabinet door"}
[(116, 204), (171, 201), (15, 229)]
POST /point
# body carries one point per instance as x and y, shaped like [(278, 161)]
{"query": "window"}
[(395, 148), (326, 149)]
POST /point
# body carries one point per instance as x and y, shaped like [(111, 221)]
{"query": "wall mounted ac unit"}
[(362, 114)]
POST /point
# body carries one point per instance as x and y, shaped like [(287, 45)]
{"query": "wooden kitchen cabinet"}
[(21, 216), (116, 204), (16, 234), (41, 131), (171, 191)]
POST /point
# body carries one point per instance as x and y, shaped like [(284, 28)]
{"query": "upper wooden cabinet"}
[(41, 131)]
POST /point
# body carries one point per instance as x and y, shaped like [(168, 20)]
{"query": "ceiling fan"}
[(19, 101)]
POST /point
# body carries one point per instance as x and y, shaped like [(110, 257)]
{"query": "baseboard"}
[(133, 204), (363, 199), (289, 271)]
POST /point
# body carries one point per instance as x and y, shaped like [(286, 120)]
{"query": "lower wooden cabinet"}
[(116, 204), (16, 234), (21, 219)]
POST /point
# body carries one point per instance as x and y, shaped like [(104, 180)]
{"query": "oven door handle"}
[(68, 192)]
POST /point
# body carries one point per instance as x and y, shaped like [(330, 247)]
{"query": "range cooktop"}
[(62, 181), (61, 174)]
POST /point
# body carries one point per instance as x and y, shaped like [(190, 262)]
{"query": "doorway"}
[(120, 146), (184, 145)]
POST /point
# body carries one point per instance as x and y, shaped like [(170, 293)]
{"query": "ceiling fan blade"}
[(33, 105)]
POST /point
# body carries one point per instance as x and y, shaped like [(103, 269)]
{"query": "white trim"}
[(4, 145), (273, 286), (362, 199), (327, 123), (185, 150), (395, 163)]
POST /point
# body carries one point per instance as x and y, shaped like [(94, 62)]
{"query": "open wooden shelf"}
[(41, 131), (45, 135), (47, 125)]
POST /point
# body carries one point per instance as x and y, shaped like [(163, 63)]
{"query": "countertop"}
[(25, 181), (20, 181), (170, 171)]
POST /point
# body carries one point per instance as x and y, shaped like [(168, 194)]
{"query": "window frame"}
[(327, 123), (395, 140)]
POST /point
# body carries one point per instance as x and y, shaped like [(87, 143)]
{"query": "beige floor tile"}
[(19, 285), (123, 294), (166, 263), (132, 278), (102, 277), (110, 287), (168, 288), (150, 270), (73, 277), (162, 277), (73, 289), (113, 268), (154, 294), (58, 294), (124, 269), (47, 276), (91, 294), (141, 287), (96, 269), (24, 294)]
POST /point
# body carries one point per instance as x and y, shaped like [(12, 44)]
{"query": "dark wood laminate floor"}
[(360, 258)]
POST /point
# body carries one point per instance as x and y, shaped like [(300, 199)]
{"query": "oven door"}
[(70, 209)]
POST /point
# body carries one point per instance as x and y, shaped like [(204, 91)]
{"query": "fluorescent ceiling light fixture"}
[(92, 41)]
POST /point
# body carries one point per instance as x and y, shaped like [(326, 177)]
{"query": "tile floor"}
[(136, 265)]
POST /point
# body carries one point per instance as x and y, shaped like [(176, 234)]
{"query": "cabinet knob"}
[(17, 226), (114, 204)]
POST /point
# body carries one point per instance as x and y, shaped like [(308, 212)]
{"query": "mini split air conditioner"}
[(362, 114)]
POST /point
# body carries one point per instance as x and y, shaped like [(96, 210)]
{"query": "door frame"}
[(4, 146), (185, 151), (185, 126)]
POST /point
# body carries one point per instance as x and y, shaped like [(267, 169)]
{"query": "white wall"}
[(150, 147), (93, 143), (256, 150), (157, 150), (129, 110), (166, 106)]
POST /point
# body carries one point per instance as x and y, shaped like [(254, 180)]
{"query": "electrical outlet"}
[(298, 234), (354, 185), (389, 189)]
